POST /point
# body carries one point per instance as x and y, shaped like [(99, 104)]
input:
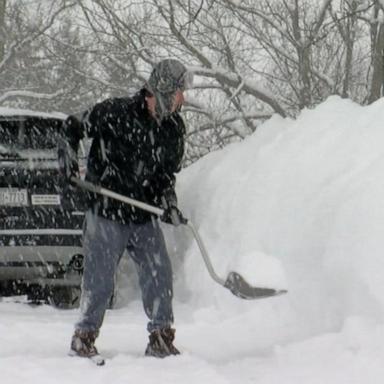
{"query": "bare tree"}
[(3, 4), (128, 40), (347, 30), (251, 59), (358, 22), (22, 60), (292, 34), (377, 52)]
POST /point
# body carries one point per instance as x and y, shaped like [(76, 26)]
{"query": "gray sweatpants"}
[(104, 243)]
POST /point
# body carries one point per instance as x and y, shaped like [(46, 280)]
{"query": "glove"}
[(68, 163), (172, 215)]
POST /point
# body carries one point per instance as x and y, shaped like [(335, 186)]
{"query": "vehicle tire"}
[(64, 297), (35, 295)]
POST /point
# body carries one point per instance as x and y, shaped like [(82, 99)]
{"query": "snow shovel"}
[(234, 281)]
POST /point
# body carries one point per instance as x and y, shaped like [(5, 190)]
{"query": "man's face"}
[(157, 108), (178, 100)]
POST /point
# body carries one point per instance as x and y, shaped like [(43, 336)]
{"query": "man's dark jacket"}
[(130, 154)]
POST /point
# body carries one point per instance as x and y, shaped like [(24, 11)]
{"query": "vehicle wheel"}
[(64, 297), (35, 294)]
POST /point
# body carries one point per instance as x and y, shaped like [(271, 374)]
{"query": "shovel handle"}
[(106, 192), (204, 253)]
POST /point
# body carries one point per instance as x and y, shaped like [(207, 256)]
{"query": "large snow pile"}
[(298, 205)]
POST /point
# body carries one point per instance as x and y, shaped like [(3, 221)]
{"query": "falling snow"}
[(298, 204)]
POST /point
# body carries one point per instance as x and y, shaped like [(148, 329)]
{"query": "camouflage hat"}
[(168, 76)]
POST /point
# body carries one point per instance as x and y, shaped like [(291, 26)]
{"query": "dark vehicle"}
[(40, 230)]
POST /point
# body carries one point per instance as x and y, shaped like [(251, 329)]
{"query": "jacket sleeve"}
[(94, 119), (168, 196), (167, 179), (89, 125)]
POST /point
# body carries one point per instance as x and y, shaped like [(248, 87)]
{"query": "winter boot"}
[(161, 343), (83, 343)]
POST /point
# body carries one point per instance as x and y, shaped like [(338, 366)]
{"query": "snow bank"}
[(301, 204)]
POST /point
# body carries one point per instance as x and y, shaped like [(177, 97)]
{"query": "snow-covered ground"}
[(298, 205)]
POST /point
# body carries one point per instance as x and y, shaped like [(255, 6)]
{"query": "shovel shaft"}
[(204, 253), (106, 192)]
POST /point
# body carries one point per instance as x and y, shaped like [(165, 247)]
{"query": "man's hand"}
[(172, 215)]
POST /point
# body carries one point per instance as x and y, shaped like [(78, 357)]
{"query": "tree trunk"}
[(2, 28), (304, 54), (304, 59), (348, 34), (377, 80)]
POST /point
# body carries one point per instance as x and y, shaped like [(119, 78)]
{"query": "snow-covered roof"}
[(5, 111)]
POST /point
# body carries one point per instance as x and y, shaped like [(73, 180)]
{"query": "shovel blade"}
[(240, 288)]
